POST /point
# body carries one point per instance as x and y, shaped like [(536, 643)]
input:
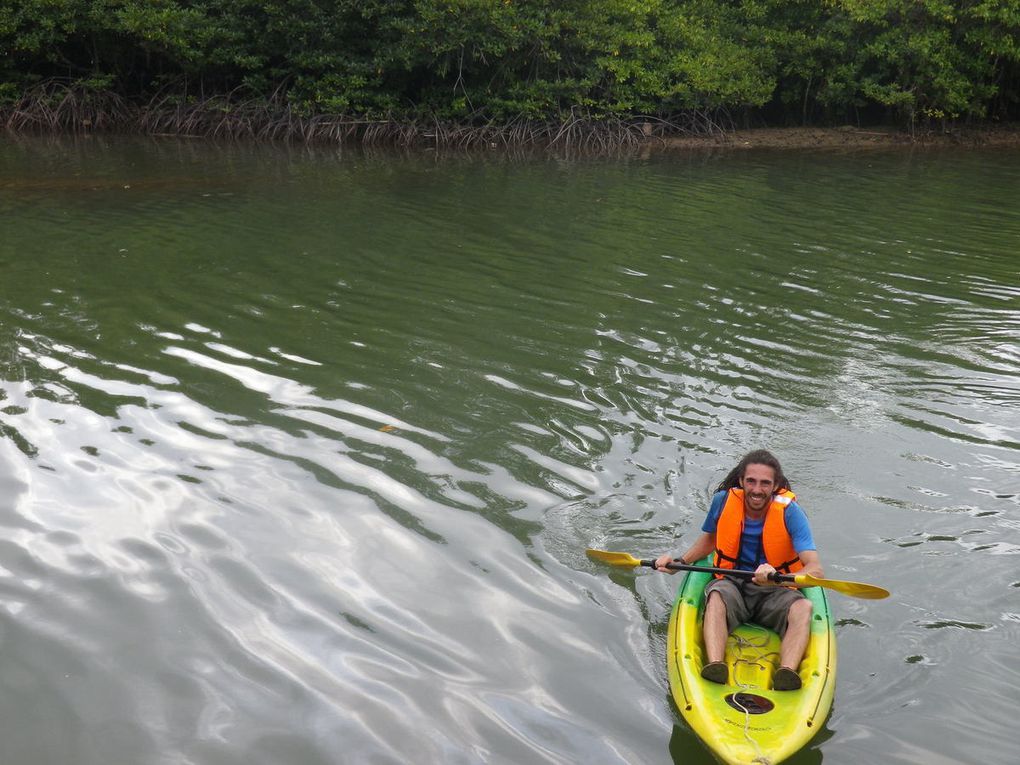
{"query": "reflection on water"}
[(301, 449)]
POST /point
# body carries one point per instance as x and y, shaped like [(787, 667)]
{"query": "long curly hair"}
[(757, 457)]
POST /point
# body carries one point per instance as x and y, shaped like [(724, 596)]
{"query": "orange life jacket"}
[(775, 539)]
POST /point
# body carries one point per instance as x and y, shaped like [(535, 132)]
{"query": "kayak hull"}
[(746, 722)]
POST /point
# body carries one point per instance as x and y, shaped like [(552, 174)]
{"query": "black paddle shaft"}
[(773, 577)]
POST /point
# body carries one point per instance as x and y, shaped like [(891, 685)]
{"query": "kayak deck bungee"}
[(746, 722)]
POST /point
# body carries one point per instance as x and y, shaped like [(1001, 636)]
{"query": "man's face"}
[(758, 483)]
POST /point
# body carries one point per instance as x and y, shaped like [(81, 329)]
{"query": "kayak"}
[(746, 722)]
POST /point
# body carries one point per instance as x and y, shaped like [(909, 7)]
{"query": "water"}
[(302, 448)]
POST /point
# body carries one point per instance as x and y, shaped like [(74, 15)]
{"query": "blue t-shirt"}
[(751, 554)]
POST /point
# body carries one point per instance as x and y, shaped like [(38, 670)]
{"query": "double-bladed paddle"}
[(853, 589)]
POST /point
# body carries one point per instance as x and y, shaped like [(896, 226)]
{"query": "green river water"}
[(302, 447)]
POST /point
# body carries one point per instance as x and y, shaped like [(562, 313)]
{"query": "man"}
[(754, 524)]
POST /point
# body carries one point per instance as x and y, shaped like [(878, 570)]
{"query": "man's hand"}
[(661, 561), (761, 574)]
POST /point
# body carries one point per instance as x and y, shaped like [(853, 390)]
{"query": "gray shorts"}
[(748, 602)]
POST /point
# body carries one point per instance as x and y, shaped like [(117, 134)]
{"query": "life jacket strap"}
[(784, 568), (720, 556)]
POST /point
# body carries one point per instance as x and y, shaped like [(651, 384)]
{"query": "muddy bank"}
[(849, 137)]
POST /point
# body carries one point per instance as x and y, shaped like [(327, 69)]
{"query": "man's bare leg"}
[(798, 630), (715, 628)]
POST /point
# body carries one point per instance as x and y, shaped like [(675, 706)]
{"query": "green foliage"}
[(909, 58), (480, 61)]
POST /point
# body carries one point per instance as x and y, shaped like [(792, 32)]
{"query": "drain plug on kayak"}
[(750, 703)]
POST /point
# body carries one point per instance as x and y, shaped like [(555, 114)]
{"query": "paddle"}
[(853, 589)]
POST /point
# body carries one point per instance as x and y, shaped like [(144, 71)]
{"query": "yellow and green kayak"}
[(746, 722)]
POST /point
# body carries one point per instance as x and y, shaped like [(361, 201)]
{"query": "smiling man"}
[(754, 524)]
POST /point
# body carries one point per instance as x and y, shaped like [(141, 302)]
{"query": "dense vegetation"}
[(344, 66)]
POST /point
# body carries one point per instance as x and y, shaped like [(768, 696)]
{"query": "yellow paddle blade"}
[(853, 589), (613, 558)]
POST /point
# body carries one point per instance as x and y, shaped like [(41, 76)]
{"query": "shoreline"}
[(848, 137), (592, 138)]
